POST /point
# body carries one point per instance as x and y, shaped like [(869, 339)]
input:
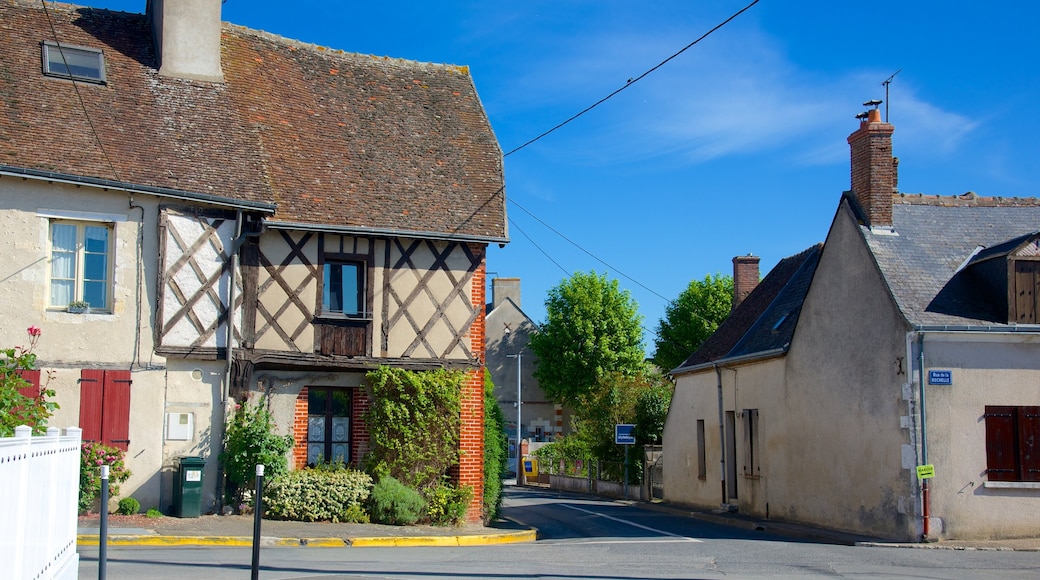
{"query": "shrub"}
[(335, 494), (128, 506), (92, 456), (494, 452), (446, 504), (250, 441), (15, 408), (391, 502), (414, 421), (153, 513)]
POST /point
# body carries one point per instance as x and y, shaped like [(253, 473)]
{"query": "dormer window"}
[(73, 62)]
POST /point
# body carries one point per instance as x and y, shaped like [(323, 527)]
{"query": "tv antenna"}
[(887, 82)]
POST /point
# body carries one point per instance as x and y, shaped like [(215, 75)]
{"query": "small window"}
[(81, 263), (1012, 443), (328, 425), (75, 62), (751, 449), (343, 289), (702, 464)]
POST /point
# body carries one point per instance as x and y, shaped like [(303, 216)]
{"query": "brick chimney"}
[(745, 277), (187, 38), (875, 176), (503, 288)]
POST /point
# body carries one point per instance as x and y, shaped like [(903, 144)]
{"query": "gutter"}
[(384, 232), (732, 360), (77, 180)]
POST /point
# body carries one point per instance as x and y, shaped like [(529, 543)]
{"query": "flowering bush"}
[(92, 457), (15, 408), (334, 493)]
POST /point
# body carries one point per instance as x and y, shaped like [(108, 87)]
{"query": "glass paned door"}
[(328, 425)]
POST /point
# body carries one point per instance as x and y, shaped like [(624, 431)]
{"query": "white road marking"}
[(633, 524)]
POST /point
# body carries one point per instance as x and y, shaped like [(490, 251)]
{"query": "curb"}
[(270, 542)]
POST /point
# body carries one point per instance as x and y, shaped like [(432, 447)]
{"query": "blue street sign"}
[(940, 377), (624, 434)]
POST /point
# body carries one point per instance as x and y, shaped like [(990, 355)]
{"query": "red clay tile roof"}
[(335, 139)]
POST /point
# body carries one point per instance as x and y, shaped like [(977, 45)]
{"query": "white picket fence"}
[(39, 492)]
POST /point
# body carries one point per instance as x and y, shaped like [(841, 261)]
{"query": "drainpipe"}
[(236, 245), (722, 433), (225, 392), (924, 433)]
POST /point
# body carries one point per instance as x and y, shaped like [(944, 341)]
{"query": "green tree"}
[(691, 318), (651, 411), (593, 329)]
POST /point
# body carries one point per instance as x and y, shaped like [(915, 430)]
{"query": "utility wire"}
[(576, 245), (544, 253), (631, 82)]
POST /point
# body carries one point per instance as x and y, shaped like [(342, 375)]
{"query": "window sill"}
[(1011, 484)]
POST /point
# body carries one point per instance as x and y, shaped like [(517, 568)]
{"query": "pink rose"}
[(35, 331)]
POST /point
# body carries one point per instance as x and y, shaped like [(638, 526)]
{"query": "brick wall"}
[(360, 439), (874, 170), (471, 438), (299, 431), (745, 277)]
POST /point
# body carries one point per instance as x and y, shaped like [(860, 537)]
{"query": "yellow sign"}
[(925, 471), (530, 467)]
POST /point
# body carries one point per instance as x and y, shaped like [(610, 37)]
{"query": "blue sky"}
[(736, 146)]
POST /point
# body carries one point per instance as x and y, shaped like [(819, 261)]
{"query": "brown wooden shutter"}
[(115, 416), (1027, 274), (91, 390), (32, 390), (1000, 443), (1028, 445)]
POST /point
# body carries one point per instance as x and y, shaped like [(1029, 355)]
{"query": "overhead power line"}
[(633, 81)]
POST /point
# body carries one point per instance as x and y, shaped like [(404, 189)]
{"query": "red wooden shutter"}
[(1000, 443), (32, 390), (91, 390), (115, 416), (1028, 445)]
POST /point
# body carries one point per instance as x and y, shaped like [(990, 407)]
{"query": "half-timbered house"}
[(245, 215)]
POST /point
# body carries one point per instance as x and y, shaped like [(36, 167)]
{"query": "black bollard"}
[(258, 508)]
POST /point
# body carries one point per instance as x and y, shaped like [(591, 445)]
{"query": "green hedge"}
[(334, 494)]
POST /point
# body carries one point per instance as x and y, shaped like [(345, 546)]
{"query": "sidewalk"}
[(823, 535), (214, 530)]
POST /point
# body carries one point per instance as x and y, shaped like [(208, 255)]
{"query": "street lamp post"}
[(519, 403)]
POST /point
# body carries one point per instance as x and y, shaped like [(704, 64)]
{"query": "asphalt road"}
[(580, 538)]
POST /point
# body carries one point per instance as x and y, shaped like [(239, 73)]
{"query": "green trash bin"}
[(187, 491)]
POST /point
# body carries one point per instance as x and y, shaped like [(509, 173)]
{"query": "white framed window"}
[(343, 288), (81, 263), (73, 62)]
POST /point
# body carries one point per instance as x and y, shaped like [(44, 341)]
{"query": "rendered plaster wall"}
[(757, 385), (103, 336), (848, 463), (997, 369)]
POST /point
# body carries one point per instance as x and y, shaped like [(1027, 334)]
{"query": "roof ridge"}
[(968, 199), (295, 44)]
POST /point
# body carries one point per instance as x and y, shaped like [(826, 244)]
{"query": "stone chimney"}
[(187, 38), (503, 288), (875, 176), (745, 277)]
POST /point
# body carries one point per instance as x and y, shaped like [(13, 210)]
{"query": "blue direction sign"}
[(625, 434)]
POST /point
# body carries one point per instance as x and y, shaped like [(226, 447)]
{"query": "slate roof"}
[(934, 237), (336, 140), (765, 321)]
